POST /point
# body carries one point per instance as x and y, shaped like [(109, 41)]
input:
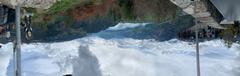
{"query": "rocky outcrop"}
[(40, 4), (90, 17), (69, 19)]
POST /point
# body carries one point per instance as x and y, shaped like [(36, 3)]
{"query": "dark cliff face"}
[(154, 10), (126, 10), (66, 20)]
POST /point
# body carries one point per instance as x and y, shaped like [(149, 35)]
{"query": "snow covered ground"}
[(97, 56)]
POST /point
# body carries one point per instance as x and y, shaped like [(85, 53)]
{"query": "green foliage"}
[(151, 17), (31, 10), (63, 5), (114, 14), (126, 8), (178, 12), (229, 35)]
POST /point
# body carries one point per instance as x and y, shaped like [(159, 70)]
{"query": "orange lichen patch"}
[(89, 11)]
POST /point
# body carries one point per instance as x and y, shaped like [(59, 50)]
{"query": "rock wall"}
[(66, 20), (40, 4)]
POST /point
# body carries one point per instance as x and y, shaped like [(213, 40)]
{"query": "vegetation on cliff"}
[(79, 17), (123, 10)]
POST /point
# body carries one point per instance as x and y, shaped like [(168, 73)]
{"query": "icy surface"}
[(97, 56)]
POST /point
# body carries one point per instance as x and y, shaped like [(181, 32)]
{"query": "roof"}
[(230, 9)]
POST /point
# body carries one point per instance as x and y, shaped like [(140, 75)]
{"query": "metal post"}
[(197, 54), (18, 42), (197, 42)]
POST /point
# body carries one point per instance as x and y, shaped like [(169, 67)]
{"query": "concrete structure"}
[(206, 13)]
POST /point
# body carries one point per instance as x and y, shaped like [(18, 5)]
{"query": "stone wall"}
[(41, 4)]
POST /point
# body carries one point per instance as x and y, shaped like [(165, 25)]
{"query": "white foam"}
[(121, 26), (124, 57), (5, 56)]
